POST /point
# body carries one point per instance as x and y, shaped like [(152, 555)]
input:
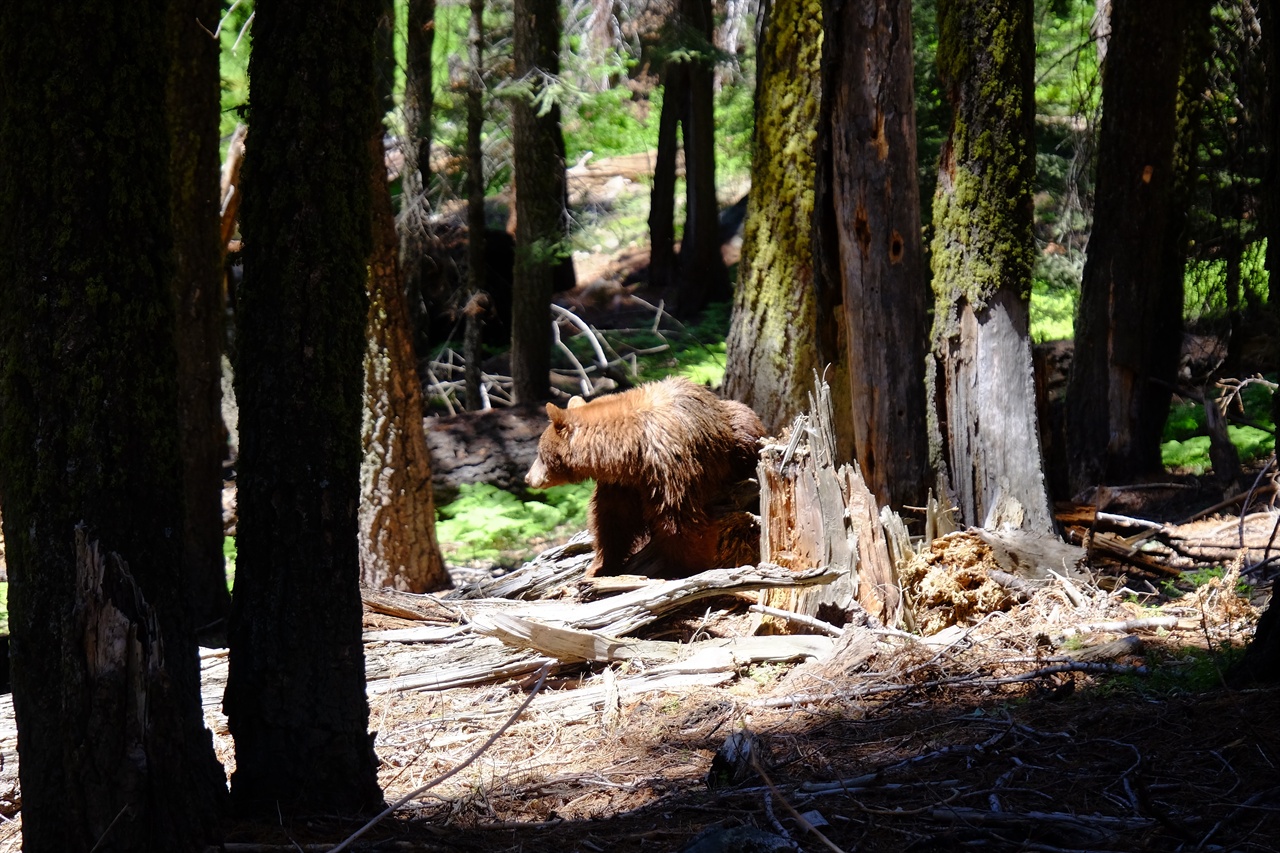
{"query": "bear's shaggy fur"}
[(661, 455)]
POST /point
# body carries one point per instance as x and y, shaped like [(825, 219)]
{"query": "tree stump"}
[(814, 512)]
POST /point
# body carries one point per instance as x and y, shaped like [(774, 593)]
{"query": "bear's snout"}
[(537, 476)]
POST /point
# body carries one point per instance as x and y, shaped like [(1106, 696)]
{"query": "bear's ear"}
[(575, 402), (556, 414)]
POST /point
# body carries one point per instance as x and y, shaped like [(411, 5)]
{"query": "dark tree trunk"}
[(475, 205), (773, 347), (871, 239), (1128, 327), (1261, 662), (419, 98), (193, 105), (295, 696), (703, 276), (541, 217), (662, 198), (114, 753), (414, 209), (983, 252), (697, 275)]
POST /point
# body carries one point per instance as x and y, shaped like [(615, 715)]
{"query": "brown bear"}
[(662, 455)]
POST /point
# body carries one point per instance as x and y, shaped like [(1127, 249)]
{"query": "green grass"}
[(1180, 672), (1186, 443), (229, 557), (487, 524)]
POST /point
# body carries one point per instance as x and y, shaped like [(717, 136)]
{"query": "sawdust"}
[(951, 583)]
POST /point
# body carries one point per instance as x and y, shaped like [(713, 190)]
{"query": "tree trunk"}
[(475, 204), (414, 206), (114, 753), (398, 546), (773, 350), (193, 106), (1130, 313), (868, 177), (983, 253), (1261, 660), (703, 276), (662, 197), (698, 275), (295, 697), (541, 218)]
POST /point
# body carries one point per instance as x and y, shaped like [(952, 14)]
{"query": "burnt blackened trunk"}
[(106, 689), (295, 692)]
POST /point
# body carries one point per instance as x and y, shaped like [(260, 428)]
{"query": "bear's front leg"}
[(616, 520)]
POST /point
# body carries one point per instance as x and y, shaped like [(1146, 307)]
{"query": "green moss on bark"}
[(771, 350), (982, 209)]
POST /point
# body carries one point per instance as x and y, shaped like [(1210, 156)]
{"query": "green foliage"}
[(611, 122), (229, 559), (1205, 283), (1055, 293), (1186, 671), (1198, 578), (735, 127), (1067, 70), (4, 608), (234, 61), (1186, 443), (488, 524)]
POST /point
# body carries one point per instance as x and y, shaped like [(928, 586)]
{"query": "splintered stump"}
[(814, 513)]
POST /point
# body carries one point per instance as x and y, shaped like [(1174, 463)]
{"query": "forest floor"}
[(1093, 716)]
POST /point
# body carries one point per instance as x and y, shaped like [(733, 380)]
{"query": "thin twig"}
[(798, 618), (542, 679)]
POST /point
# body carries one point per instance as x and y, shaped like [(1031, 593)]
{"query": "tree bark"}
[(662, 197), (1130, 313), (397, 515), (193, 106), (541, 200), (114, 753), (414, 208), (773, 348), (295, 697), (475, 204), (867, 176), (696, 275), (1261, 662), (983, 253)]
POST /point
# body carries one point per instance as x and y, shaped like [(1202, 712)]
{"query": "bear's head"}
[(553, 467)]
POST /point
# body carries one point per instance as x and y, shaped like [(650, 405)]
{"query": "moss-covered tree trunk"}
[(295, 691), (869, 216), (114, 753), (541, 217), (773, 345), (193, 105), (398, 546), (983, 251), (1128, 325)]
